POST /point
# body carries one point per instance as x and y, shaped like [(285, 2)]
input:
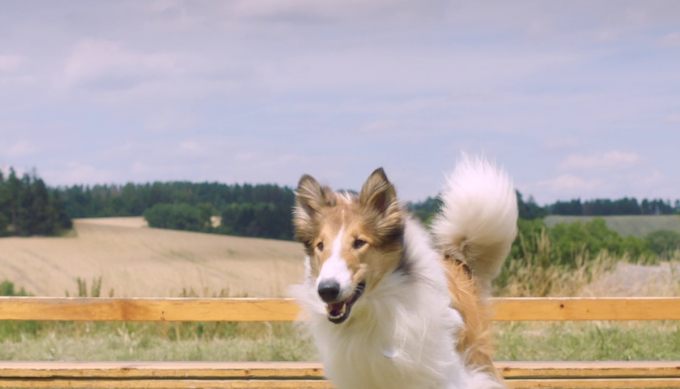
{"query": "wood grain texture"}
[(147, 309), (319, 384), (591, 369), (578, 308), (168, 384), (262, 309), (259, 370), (590, 383), (314, 370)]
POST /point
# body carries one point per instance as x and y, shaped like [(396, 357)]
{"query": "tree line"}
[(246, 210), (529, 209), (29, 207), (607, 207)]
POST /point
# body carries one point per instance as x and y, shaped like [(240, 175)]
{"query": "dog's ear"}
[(378, 193), (310, 199), (379, 198)]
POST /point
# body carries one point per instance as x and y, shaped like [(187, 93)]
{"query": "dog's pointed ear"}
[(379, 198), (378, 193), (310, 199)]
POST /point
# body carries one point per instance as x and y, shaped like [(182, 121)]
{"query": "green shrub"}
[(15, 329), (558, 260), (663, 242), (179, 217), (7, 288), (265, 220)]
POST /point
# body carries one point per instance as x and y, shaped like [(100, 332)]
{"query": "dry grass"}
[(630, 280), (138, 261)]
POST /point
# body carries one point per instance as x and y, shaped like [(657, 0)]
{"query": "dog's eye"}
[(358, 243), (319, 246)]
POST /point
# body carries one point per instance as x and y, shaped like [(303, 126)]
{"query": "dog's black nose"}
[(329, 290)]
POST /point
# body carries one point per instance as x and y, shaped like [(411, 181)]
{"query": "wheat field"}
[(136, 261)]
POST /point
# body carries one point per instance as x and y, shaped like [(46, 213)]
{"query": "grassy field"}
[(134, 260), (626, 225), (285, 342)]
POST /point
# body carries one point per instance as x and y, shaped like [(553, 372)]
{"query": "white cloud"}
[(101, 64), (9, 63), (673, 118), (379, 127), (168, 121), (77, 172), (20, 148), (190, 147), (571, 184), (610, 160), (671, 40), (561, 142)]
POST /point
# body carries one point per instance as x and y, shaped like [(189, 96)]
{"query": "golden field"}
[(134, 261)]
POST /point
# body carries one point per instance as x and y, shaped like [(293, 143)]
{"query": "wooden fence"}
[(301, 375)]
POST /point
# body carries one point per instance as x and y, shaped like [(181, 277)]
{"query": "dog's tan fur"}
[(474, 340), (374, 216)]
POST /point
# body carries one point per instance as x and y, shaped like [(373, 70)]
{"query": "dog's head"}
[(351, 241)]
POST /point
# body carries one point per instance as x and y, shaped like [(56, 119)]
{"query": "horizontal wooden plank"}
[(263, 309), (321, 384), (589, 383), (589, 369), (167, 384), (576, 308), (259, 370), (147, 309), (313, 370)]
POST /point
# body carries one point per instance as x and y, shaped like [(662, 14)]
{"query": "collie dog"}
[(387, 305)]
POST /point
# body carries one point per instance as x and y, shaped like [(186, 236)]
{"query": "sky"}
[(572, 98)]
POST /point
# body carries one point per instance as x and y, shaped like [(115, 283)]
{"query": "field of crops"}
[(134, 260)]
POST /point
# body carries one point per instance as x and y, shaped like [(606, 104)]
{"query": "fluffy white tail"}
[(478, 220)]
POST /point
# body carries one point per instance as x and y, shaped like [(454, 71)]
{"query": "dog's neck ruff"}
[(401, 334)]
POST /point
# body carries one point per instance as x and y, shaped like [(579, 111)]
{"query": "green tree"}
[(529, 209), (29, 207), (265, 220), (426, 210), (178, 216), (663, 242)]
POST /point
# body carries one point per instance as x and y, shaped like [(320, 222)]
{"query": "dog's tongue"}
[(336, 309)]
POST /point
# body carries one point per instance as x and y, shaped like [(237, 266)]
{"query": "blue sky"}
[(575, 99)]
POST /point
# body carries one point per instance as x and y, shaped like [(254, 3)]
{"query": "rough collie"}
[(387, 305)]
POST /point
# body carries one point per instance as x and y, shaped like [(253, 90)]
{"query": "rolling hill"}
[(134, 260)]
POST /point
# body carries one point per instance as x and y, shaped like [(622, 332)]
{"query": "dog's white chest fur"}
[(371, 351)]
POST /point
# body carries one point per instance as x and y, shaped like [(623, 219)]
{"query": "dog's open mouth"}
[(339, 312)]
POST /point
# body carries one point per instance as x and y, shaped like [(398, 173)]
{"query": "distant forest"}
[(29, 207), (528, 209), (245, 210)]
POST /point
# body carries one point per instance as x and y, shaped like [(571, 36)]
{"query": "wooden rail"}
[(310, 375), (259, 309), (306, 375)]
